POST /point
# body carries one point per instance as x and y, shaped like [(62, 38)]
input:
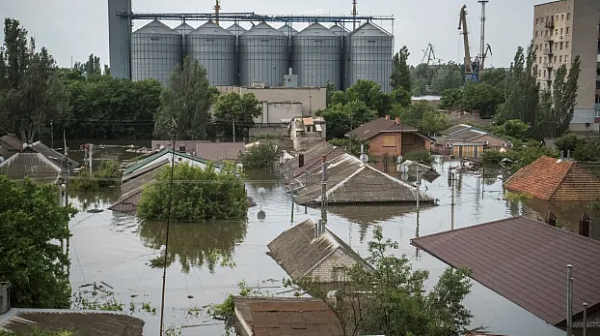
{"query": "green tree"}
[(515, 129), (452, 99), (401, 73), (232, 108), (391, 300), (371, 94), (187, 101), (495, 77), (401, 97), (31, 221), (568, 142), (91, 67), (261, 156), (483, 98), (207, 194), (31, 91), (338, 121), (587, 151), (433, 122), (330, 92), (447, 76)]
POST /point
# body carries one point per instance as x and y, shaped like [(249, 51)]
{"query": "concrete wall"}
[(312, 99), (276, 113)]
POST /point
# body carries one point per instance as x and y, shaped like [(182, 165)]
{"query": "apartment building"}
[(563, 30)]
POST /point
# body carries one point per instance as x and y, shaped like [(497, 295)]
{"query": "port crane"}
[(471, 68)]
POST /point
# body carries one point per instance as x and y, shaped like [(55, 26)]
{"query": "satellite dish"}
[(364, 158), (261, 215)]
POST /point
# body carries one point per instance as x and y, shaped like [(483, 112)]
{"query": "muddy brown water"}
[(208, 260)]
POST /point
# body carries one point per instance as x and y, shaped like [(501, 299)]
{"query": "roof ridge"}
[(475, 226)]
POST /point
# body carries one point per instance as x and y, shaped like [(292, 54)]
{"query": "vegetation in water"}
[(109, 174), (262, 156), (352, 146), (31, 259), (516, 196), (198, 194), (425, 157), (83, 181)]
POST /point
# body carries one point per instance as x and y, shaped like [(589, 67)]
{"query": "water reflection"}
[(207, 244), (85, 200)]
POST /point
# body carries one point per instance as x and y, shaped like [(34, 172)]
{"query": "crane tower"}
[(482, 51)]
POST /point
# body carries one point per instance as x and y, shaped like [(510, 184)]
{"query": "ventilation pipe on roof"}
[(387, 117), (551, 218), (398, 120), (301, 160), (584, 225), (568, 154), (562, 155)]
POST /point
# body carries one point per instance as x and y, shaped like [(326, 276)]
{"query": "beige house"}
[(465, 141), (563, 30)]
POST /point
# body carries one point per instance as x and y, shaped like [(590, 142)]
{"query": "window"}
[(540, 60), (556, 17), (539, 73), (182, 148), (551, 31), (536, 33), (389, 141), (567, 30), (545, 59), (555, 58), (537, 20), (568, 16), (566, 59), (562, 17), (567, 44), (561, 31), (560, 59), (556, 31), (544, 73), (560, 45)]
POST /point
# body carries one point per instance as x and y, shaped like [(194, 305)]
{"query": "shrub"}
[(261, 156), (424, 157), (83, 181), (109, 174), (587, 151), (568, 142)]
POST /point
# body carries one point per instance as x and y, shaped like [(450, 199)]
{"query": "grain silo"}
[(184, 29), (156, 50), (263, 56), (236, 29), (214, 47), (369, 56), (288, 30), (317, 56), (339, 30)]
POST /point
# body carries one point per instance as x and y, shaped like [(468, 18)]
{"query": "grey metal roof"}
[(30, 163), (53, 155), (263, 29), (184, 28), (155, 27), (236, 29), (316, 29), (288, 30), (211, 28), (339, 30), (369, 30)]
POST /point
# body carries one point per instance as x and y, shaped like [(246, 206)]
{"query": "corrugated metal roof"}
[(155, 27), (184, 28), (53, 155), (211, 28), (543, 177), (263, 29), (288, 30), (369, 30), (30, 163), (339, 30), (236, 29), (316, 29), (12, 141), (286, 317), (313, 156), (524, 261), (87, 323), (147, 160), (299, 249)]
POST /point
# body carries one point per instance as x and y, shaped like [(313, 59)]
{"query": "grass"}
[(510, 196)]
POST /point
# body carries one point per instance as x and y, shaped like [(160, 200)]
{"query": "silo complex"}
[(317, 56), (288, 30), (214, 47), (236, 29), (339, 30), (184, 29), (156, 50), (369, 56), (263, 56)]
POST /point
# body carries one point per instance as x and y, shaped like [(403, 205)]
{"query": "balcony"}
[(549, 24), (549, 65), (548, 51), (548, 39)]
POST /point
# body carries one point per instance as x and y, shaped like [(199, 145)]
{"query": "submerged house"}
[(555, 180), (526, 262), (310, 251), (37, 162), (466, 141)]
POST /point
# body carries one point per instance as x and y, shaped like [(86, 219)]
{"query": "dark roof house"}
[(263, 316), (381, 125), (309, 251), (553, 179), (31, 163), (526, 262), (10, 145)]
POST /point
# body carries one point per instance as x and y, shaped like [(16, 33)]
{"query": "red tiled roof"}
[(288, 316), (524, 261), (543, 177), (377, 126)]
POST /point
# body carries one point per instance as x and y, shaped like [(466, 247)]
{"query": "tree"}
[(433, 122), (401, 97), (515, 129), (483, 98), (341, 119), (391, 300), (452, 99), (91, 67), (568, 142), (31, 221), (371, 94), (588, 151), (447, 76), (495, 77), (261, 156), (198, 194), (187, 101), (31, 92), (330, 91), (232, 108), (401, 74)]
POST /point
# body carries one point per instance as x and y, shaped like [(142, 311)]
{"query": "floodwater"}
[(208, 260)]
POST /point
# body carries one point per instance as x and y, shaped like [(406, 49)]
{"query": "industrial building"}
[(259, 56), (563, 30)]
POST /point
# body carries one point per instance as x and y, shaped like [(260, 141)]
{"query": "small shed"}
[(308, 250), (276, 316), (555, 180)]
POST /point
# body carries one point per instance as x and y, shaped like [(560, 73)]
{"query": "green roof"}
[(132, 168)]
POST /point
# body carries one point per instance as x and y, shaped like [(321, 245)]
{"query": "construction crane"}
[(429, 54), (482, 45), (471, 68), (484, 56), (217, 9)]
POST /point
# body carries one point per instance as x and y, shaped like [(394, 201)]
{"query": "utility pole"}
[(354, 14), (418, 188), (453, 184), (482, 36), (569, 300), (52, 133), (233, 128)]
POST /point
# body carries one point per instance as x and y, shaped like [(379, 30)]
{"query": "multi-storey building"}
[(563, 30)]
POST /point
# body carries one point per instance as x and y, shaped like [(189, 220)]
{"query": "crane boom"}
[(485, 55), (462, 24)]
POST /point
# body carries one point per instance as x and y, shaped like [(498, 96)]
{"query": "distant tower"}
[(482, 41), (119, 38), (354, 13), (217, 9)]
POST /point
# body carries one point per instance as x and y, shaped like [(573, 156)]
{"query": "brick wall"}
[(377, 148), (326, 272), (579, 185)]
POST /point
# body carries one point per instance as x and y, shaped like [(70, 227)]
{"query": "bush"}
[(83, 181), (425, 157), (493, 156), (261, 156), (587, 151), (109, 174), (198, 194), (568, 142)]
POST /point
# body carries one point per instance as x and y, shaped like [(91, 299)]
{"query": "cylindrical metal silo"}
[(263, 56), (369, 56), (156, 50), (317, 56), (184, 29), (214, 47), (288, 30), (339, 30), (236, 29)]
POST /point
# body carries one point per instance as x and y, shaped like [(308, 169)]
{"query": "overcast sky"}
[(77, 28)]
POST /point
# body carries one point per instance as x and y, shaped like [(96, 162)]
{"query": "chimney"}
[(4, 297), (387, 117), (584, 225), (562, 155), (551, 218), (568, 154), (398, 120), (301, 160)]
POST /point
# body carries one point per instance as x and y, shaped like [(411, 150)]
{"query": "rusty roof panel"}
[(524, 261)]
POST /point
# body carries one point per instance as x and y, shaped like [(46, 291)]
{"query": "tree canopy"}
[(31, 222), (232, 110), (400, 78)]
